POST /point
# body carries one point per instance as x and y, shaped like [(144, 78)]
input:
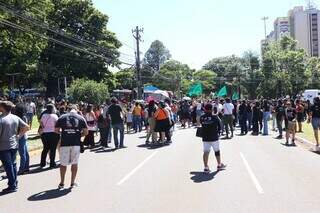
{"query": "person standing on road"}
[(92, 126), (136, 112), (210, 136), (291, 124), (49, 137), (314, 118), (72, 127), (116, 116), (152, 122), (266, 116), (243, 117), (31, 111), (228, 108), (300, 114), (12, 128), (280, 116), (23, 148)]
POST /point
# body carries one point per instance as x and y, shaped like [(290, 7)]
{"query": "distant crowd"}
[(73, 127)]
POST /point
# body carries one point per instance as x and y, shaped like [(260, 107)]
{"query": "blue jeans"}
[(266, 117), (249, 118), (137, 124), (8, 159), (24, 155), (116, 129)]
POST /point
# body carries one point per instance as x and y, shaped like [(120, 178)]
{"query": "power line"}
[(59, 32), (16, 26)]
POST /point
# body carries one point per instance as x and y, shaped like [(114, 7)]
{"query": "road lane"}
[(172, 180)]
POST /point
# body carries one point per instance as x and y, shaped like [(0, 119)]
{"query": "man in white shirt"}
[(228, 108), (30, 111)]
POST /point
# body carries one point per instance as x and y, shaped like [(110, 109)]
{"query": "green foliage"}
[(156, 55), (42, 61), (173, 76), (207, 78), (88, 91), (125, 79), (284, 69)]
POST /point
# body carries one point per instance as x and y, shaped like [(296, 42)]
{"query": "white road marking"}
[(125, 178), (253, 177)]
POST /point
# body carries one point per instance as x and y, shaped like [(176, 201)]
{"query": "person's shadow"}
[(49, 194), (199, 177)]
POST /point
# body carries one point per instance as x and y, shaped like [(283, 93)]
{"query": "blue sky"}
[(194, 31)]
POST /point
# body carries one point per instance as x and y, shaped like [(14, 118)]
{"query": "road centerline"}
[(252, 175), (125, 178)]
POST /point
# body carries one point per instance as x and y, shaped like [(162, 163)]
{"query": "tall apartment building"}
[(304, 27), (281, 28)]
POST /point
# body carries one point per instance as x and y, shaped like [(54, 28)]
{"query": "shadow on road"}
[(199, 177), (49, 194), (153, 146)]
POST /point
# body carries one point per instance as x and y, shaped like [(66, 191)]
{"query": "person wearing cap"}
[(12, 128), (211, 126), (72, 127)]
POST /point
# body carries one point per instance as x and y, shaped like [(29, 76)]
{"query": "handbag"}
[(199, 132)]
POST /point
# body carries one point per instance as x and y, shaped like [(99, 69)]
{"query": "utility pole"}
[(136, 34), (264, 19)]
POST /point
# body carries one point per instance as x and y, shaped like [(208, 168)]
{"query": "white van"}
[(310, 94)]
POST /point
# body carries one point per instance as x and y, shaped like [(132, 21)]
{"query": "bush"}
[(88, 91)]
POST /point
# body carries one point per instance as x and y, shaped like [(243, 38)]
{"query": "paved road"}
[(262, 176)]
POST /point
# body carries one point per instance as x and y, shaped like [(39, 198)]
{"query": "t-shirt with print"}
[(315, 109), (9, 126), (115, 113), (72, 125), (291, 114)]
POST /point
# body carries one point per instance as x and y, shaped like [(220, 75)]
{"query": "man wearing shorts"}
[(314, 118), (72, 127), (210, 136)]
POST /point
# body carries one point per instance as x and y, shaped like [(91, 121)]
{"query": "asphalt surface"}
[(262, 176)]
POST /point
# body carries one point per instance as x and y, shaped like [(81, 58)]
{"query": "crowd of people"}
[(71, 128)]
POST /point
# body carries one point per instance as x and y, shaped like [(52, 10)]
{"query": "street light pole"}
[(264, 19)]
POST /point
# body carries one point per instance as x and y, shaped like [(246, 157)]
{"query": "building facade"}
[(302, 25)]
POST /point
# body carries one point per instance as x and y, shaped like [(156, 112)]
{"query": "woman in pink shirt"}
[(49, 137)]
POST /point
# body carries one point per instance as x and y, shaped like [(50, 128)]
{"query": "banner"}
[(223, 92), (195, 90)]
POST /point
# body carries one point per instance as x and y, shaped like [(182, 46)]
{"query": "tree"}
[(284, 69), (207, 79), (20, 48), (88, 91), (156, 55), (230, 70), (173, 76), (125, 79), (78, 18), (313, 70), (253, 75)]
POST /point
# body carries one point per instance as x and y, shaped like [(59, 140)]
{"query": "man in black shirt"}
[(280, 116), (211, 126), (72, 127), (116, 116), (314, 118)]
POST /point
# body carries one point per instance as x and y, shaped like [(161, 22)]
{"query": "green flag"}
[(235, 96), (222, 92), (195, 89)]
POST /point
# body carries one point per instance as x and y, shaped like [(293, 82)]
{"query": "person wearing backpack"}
[(210, 126)]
